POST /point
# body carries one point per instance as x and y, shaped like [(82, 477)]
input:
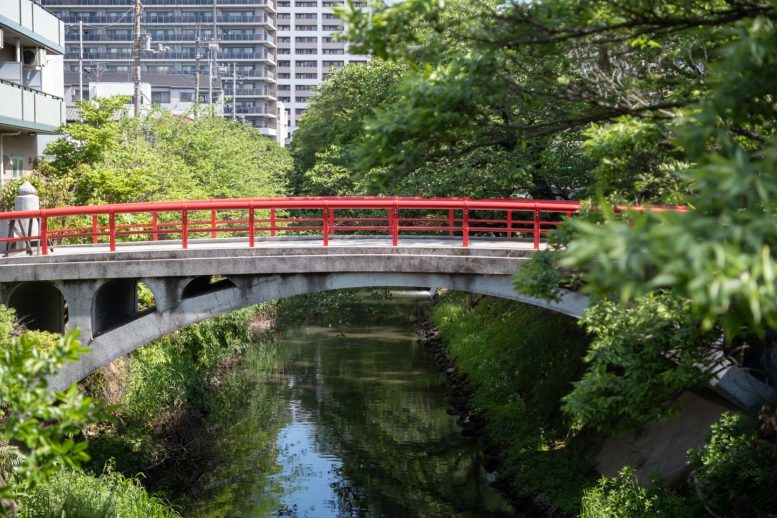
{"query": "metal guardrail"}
[(325, 215)]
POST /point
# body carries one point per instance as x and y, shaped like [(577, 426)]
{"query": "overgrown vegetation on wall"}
[(521, 361)]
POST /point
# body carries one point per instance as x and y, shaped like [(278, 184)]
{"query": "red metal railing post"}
[(569, 214), (44, 235), (509, 223), (536, 229), (465, 227), (332, 222), (154, 226), (325, 225), (213, 224), (450, 222), (272, 222), (395, 225), (112, 231), (94, 229), (389, 222), (185, 229), (251, 227)]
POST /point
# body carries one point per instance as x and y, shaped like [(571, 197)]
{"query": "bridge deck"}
[(280, 243), (269, 255)]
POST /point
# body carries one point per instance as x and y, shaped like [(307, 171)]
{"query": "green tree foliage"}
[(718, 255), (42, 425), (642, 357), (329, 133), (88, 140), (109, 157)]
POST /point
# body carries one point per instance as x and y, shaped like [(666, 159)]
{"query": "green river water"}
[(348, 420)]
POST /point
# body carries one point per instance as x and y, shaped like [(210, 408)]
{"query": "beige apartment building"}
[(32, 44)]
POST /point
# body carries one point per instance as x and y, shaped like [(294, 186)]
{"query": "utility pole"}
[(196, 70), (210, 80), (234, 91), (213, 47), (80, 60), (138, 11)]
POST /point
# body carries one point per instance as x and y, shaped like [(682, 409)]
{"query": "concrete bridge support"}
[(107, 315)]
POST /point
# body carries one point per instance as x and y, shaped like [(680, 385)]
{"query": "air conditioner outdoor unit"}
[(33, 56)]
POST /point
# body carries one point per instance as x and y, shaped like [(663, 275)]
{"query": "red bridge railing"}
[(249, 218)]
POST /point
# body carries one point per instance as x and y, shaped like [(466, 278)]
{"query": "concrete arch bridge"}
[(80, 267)]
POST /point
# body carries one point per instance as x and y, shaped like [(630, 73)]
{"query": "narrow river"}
[(347, 420)]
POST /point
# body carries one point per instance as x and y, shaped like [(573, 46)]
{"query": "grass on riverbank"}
[(521, 360), (76, 494), (165, 391)]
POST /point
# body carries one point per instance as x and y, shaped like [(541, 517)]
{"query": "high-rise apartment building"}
[(307, 51), (31, 47), (237, 42)]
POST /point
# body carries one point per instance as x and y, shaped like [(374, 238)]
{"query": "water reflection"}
[(365, 431)]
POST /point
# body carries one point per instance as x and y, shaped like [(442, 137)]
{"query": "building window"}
[(186, 97), (305, 51), (160, 97), (17, 164), (306, 76)]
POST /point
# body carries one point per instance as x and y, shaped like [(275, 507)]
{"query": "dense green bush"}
[(75, 494), (521, 361), (734, 473), (622, 497)]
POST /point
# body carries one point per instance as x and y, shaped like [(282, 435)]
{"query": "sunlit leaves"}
[(642, 357), (44, 424)]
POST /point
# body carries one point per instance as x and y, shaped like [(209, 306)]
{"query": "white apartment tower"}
[(307, 51)]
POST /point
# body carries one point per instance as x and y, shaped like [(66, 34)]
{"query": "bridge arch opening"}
[(116, 302), (145, 297), (206, 284), (39, 306)]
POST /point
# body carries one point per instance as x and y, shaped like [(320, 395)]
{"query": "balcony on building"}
[(31, 83)]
